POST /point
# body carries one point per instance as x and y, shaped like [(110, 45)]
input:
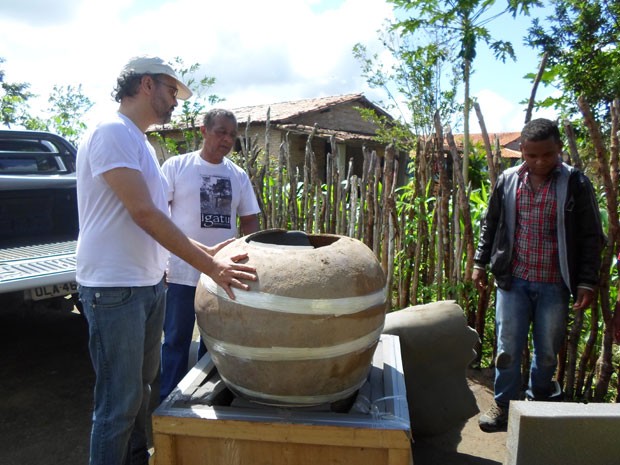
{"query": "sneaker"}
[(495, 419)]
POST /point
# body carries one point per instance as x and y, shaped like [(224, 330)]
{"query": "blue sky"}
[(258, 52), (493, 79)]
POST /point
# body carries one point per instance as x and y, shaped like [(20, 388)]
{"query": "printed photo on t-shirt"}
[(215, 202)]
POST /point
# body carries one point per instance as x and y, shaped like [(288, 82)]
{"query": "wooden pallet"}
[(190, 428)]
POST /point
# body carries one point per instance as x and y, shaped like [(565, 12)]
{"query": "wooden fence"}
[(423, 234)]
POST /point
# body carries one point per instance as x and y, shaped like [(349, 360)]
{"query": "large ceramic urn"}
[(305, 332)]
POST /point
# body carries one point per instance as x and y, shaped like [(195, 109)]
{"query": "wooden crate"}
[(187, 431)]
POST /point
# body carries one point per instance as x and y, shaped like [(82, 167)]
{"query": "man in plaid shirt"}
[(542, 237)]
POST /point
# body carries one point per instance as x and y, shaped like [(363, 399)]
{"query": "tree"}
[(420, 77), (14, 102), (194, 106), (67, 107), (581, 41), (461, 23), (415, 76)]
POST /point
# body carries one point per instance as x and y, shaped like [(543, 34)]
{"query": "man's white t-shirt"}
[(205, 201), (112, 249)]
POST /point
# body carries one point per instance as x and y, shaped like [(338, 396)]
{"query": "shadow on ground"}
[(466, 445), (46, 383), (444, 450)]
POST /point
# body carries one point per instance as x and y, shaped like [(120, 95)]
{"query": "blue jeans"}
[(178, 331), (545, 306), (125, 325)]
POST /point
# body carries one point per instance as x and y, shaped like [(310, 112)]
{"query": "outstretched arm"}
[(131, 189)]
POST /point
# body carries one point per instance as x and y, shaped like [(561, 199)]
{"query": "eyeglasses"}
[(175, 89)]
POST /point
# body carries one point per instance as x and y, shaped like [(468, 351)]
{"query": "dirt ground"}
[(469, 445), (46, 383)]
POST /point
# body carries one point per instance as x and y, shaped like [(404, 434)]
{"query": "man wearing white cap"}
[(124, 242)]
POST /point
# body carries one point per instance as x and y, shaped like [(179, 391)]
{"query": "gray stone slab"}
[(557, 433)]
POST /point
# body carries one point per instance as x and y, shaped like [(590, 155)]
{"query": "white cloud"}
[(501, 114), (259, 52), (37, 12), (498, 112)]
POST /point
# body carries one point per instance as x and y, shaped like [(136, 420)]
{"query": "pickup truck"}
[(38, 220)]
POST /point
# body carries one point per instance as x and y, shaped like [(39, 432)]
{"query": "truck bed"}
[(38, 217), (43, 264)]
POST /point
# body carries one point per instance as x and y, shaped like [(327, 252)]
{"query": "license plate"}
[(55, 290)]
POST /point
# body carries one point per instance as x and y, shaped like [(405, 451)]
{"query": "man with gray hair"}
[(123, 245), (207, 193)]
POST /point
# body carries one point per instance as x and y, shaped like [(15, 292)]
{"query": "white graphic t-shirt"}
[(205, 201)]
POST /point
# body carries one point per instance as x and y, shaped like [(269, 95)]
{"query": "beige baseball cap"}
[(155, 65)]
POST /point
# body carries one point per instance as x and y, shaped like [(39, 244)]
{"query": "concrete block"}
[(557, 433)]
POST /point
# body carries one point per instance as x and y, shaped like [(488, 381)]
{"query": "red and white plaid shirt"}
[(535, 254)]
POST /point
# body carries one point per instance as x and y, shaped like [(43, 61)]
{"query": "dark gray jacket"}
[(580, 235)]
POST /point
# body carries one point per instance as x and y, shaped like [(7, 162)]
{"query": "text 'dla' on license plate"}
[(45, 292)]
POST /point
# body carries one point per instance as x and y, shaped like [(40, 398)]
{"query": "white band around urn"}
[(295, 305), (292, 353), (292, 400)]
